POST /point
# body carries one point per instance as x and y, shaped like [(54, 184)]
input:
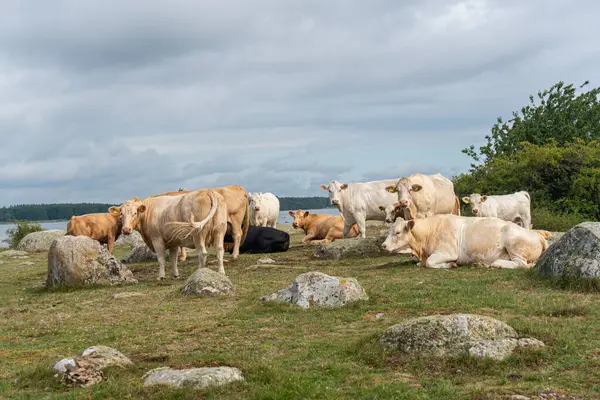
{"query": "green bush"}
[(543, 218), (22, 229)]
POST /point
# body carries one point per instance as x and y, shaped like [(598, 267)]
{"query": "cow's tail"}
[(543, 236), (245, 222), (183, 230), (456, 210)]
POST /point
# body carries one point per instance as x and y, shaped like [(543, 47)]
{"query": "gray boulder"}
[(206, 282), (574, 255), (140, 253), (131, 240), (79, 260), (316, 289), (354, 247), (14, 254), (455, 335), (197, 378), (38, 242)]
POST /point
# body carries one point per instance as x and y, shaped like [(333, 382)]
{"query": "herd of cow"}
[(422, 212)]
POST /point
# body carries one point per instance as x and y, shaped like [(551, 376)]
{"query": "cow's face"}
[(298, 218), (129, 214), (475, 200), (256, 201), (335, 192), (391, 211), (398, 236), (405, 188)]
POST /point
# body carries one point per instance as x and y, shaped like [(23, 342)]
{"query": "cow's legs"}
[(201, 250), (526, 221), (308, 237), (348, 223), (172, 252), (110, 244), (236, 234), (362, 225), (182, 254), (220, 251), (441, 261), (159, 249)]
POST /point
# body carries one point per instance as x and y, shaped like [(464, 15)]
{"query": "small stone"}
[(355, 247), (126, 295), (104, 356), (379, 315), (265, 260), (316, 289), (13, 253), (26, 264), (140, 253), (206, 282), (196, 378), (62, 365)]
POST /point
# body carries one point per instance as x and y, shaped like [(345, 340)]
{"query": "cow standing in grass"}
[(264, 209), (514, 207), (445, 241), (194, 219), (103, 227)]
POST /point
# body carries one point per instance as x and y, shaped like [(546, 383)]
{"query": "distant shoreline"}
[(35, 222)]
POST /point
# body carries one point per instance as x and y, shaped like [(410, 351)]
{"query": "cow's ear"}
[(344, 186), (483, 199), (305, 213), (382, 208), (291, 213), (466, 200), (135, 198), (416, 188), (410, 224), (391, 189), (114, 210), (324, 187), (141, 208)]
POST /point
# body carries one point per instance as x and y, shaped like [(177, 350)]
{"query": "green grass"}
[(289, 353)]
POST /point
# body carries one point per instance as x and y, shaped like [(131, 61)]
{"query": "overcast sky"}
[(104, 100)]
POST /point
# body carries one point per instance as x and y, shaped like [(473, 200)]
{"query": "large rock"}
[(206, 282), (574, 255), (455, 335), (316, 289), (39, 241), (354, 247), (131, 240), (140, 253), (86, 370), (79, 260), (197, 378)]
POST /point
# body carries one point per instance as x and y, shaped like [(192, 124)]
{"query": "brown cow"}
[(238, 215), (197, 218), (103, 227), (321, 228)]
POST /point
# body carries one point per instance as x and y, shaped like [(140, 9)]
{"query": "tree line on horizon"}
[(64, 211)]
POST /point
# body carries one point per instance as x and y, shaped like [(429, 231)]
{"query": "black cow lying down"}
[(261, 240)]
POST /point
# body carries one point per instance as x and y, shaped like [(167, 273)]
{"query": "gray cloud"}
[(100, 101)]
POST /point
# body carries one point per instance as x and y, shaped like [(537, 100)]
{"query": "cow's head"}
[(335, 192), (129, 214), (299, 217), (406, 188), (391, 211), (256, 200), (398, 237), (475, 200)]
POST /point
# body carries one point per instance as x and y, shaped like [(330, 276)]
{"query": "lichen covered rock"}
[(206, 282), (197, 378), (354, 247), (38, 242)]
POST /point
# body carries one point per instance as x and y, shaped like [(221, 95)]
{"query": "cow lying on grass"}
[(444, 241), (261, 239), (167, 222), (321, 228), (103, 227)]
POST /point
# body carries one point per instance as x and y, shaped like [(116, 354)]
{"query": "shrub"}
[(543, 218), (22, 229)]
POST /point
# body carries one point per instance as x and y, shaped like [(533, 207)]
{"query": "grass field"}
[(289, 353)]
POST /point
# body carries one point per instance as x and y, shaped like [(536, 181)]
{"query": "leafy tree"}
[(561, 115), (22, 229)]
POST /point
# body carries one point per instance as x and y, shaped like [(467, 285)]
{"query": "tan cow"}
[(238, 214), (103, 227), (169, 222), (446, 240), (321, 228), (426, 195)]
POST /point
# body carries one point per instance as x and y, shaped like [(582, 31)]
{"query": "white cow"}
[(514, 207), (425, 195), (264, 209), (444, 241), (359, 202)]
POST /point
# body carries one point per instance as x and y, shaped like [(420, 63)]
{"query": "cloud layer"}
[(100, 101)]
